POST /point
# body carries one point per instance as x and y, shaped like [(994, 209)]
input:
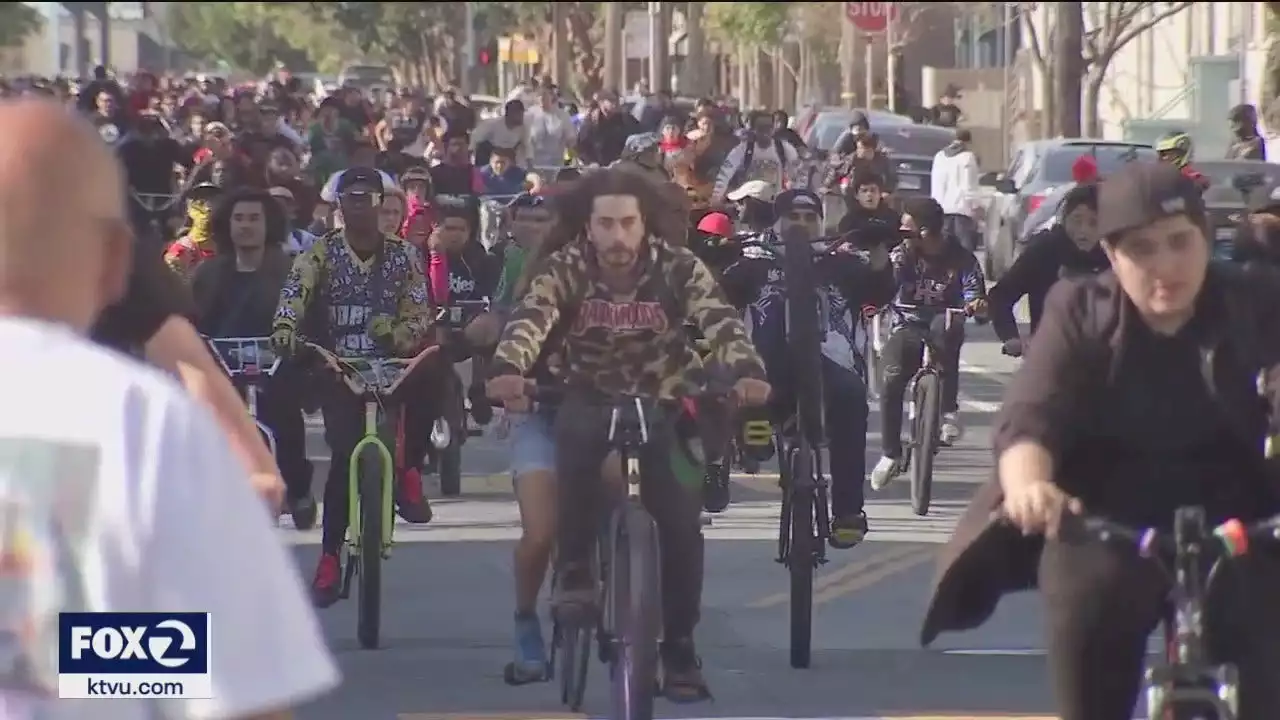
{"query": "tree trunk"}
[(1068, 66), (1092, 124)]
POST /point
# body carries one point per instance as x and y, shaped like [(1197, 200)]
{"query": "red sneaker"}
[(327, 583), (411, 503)]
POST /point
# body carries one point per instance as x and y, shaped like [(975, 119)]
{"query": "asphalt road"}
[(447, 607)]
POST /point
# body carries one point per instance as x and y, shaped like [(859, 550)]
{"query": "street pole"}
[(655, 47), (613, 53), (469, 49), (1003, 38), (1242, 51), (560, 45), (891, 65)]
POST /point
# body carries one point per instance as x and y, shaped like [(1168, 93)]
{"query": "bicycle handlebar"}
[(373, 377), (1234, 537), (248, 354)]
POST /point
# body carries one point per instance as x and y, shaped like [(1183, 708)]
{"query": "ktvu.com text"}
[(160, 685), (134, 655)]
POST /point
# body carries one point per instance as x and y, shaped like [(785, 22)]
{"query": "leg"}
[(343, 426), (580, 433), (900, 359), (280, 410), (677, 511), (846, 416), (417, 406), (1244, 629), (533, 468), (1101, 604), (951, 429)]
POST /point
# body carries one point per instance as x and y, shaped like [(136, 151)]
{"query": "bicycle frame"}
[(928, 363), (232, 354)]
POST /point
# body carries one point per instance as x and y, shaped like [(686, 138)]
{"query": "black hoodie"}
[(1049, 256)]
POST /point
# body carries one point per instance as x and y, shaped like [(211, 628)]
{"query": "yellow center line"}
[(867, 563), (873, 575)]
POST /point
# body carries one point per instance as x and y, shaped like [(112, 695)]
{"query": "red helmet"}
[(716, 223)]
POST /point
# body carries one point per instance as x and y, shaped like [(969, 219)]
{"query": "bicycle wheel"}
[(369, 589), (800, 557), (635, 613), (926, 400), (804, 334), (574, 644)]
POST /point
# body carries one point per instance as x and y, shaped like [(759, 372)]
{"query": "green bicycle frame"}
[(372, 415)]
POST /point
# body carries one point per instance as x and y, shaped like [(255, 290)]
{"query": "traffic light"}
[(485, 58), (487, 53)]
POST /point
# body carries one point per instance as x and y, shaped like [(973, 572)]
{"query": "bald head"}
[(63, 227)]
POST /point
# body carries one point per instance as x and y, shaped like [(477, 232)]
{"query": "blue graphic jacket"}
[(926, 285)]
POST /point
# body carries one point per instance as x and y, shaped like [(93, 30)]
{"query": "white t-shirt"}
[(123, 495)]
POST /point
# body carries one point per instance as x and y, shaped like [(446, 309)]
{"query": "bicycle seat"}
[(245, 357)]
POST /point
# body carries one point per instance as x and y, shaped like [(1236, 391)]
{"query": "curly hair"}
[(220, 222)]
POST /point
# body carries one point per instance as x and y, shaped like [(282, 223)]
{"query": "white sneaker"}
[(951, 430), (885, 472)]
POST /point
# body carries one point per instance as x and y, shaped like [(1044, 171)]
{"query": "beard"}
[(617, 255)]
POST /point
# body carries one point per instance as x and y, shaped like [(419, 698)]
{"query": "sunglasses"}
[(360, 197)]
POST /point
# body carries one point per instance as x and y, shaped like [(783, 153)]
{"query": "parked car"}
[(910, 146), (367, 76), (1235, 186), (1035, 171)]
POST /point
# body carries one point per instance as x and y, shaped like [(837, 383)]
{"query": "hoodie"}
[(1050, 255), (775, 163), (953, 179)]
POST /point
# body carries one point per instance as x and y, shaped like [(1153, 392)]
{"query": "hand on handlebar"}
[(976, 308), (1037, 506), (510, 390), (752, 392), (284, 342)]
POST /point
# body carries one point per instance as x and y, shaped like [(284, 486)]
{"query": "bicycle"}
[(1186, 685), (924, 413), (371, 476), (447, 438), (250, 363), (627, 565)]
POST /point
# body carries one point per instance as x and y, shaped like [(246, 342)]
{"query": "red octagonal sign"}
[(871, 17)]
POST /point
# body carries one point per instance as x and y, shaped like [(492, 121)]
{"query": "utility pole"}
[(659, 49), (613, 51), (891, 65), (560, 45), (468, 49), (695, 75)]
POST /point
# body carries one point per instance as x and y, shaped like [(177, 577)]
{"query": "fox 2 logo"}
[(133, 643)]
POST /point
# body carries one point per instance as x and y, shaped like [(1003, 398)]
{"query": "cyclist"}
[(869, 221), (1139, 396), (620, 293), (847, 282), (1067, 248), (1177, 149), (933, 272), (360, 293), (184, 255), (760, 156)]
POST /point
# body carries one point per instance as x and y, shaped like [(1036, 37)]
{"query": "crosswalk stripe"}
[(567, 716)]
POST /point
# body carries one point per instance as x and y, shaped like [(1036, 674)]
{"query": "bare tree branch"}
[(1123, 28)]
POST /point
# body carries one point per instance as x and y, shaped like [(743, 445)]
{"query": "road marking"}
[(565, 716), (868, 563), (874, 575), (1001, 652)]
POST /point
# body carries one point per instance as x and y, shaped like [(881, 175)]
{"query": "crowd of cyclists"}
[(632, 256)]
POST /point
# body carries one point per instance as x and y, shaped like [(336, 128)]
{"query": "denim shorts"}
[(533, 446)]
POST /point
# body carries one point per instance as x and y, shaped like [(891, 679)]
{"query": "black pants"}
[(581, 437), (846, 419), (963, 228), (1102, 602), (900, 359), (343, 428), (280, 409)]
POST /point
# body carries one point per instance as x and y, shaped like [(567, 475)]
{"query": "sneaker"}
[(848, 530), (303, 512), (715, 487), (682, 680), (886, 471), (411, 503), (441, 434), (327, 583), (951, 430), (530, 664)]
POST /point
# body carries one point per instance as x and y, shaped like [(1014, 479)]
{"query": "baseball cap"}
[(716, 223), (789, 200), (758, 189), (360, 176), (1141, 193)]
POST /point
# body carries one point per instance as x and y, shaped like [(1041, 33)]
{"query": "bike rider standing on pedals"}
[(612, 290), (847, 283), (362, 294), (933, 272), (1139, 395)]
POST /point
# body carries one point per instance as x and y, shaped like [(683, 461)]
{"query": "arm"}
[(533, 318), (1040, 403), (481, 134), (299, 287), (284, 130), (971, 173), (1026, 274), (247, 580), (972, 282), (728, 169), (720, 323), (414, 312)]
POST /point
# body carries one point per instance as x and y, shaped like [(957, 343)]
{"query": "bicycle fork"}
[(816, 487), (355, 528)]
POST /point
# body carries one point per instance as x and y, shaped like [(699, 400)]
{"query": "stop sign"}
[(871, 17)]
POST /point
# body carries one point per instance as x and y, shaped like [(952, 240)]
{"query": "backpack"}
[(749, 155)]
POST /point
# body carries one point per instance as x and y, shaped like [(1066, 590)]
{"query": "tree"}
[(415, 37), (584, 30), (240, 34), (1108, 28), (17, 21)]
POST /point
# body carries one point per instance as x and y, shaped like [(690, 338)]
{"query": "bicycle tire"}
[(926, 394), (575, 657), (369, 582), (635, 612), (450, 469), (803, 546), (804, 339)]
